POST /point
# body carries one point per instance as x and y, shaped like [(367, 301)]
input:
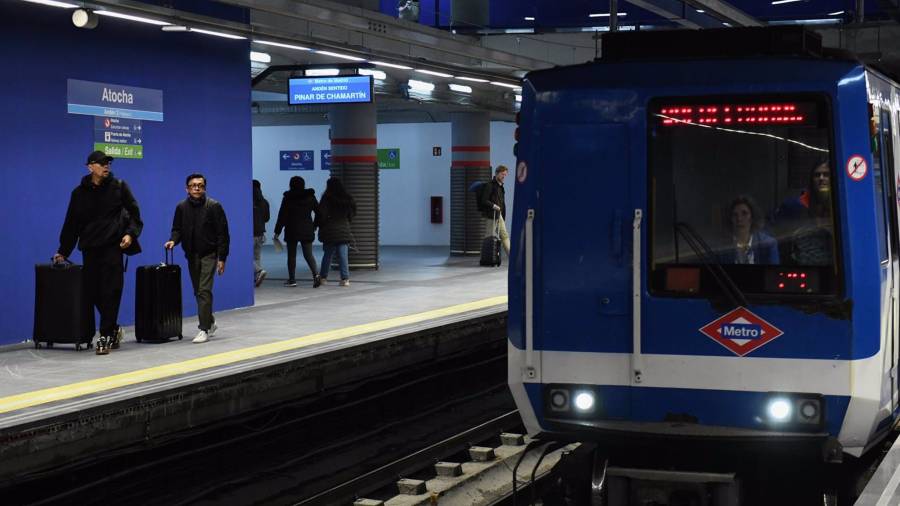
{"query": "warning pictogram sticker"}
[(741, 331), (857, 168)]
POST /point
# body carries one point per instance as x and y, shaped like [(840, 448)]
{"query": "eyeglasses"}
[(197, 186)]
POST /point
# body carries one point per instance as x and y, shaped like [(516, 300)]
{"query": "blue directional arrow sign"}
[(296, 160)]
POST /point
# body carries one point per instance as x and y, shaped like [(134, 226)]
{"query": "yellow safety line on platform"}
[(34, 398)]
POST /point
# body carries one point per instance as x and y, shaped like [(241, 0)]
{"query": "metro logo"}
[(741, 331)]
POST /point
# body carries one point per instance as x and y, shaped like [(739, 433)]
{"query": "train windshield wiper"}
[(708, 259)]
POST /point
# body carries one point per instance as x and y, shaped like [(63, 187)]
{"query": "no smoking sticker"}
[(857, 167)]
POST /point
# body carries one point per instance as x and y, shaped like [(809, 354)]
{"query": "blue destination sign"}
[(296, 160), (114, 100), (326, 159), (118, 131), (330, 90)]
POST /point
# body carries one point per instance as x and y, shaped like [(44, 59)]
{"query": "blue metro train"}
[(706, 247)]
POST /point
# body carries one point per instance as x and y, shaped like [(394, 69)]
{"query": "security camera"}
[(85, 18)]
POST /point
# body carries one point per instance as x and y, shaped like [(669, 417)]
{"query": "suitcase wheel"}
[(37, 345), (180, 337), (138, 339), (77, 346), (50, 345)]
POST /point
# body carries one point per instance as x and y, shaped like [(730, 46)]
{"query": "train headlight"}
[(559, 399), (779, 410), (584, 401)]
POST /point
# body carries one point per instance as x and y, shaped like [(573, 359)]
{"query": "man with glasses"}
[(202, 229), (104, 219)]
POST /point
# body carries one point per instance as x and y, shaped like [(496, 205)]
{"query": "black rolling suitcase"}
[(62, 310), (157, 302), (490, 247)]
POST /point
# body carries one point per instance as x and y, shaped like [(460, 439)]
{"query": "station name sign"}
[(330, 90), (114, 100)]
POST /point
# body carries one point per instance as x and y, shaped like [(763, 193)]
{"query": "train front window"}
[(741, 195)]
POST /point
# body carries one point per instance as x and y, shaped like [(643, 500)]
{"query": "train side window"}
[(887, 136), (882, 191)]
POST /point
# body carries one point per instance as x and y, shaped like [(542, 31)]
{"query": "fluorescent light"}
[(836, 13), (260, 57), (279, 44), (339, 55), (175, 28), (460, 88), (433, 73), (420, 85), (529, 18), (726, 23), (129, 17), (519, 30), (700, 11), (518, 98), (218, 34), (53, 3), (377, 74), (391, 65), (473, 79), (606, 15), (506, 85), (321, 72), (779, 2)]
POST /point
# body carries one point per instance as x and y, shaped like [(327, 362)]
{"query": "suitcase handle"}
[(65, 264), (166, 257)]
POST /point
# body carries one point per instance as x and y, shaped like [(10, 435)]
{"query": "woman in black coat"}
[(336, 210), (295, 217)]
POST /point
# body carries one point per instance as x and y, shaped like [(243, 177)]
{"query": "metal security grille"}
[(361, 181), (466, 223)]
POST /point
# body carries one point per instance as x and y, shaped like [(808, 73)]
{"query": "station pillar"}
[(354, 160), (471, 161)]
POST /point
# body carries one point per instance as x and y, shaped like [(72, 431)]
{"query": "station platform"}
[(54, 402)]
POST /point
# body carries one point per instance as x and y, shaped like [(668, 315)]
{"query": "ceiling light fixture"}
[(339, 55), (129, 17), (279, 44), (260, 57), (217, 34), (529, 18), (779, 2), (473, 79), (433, 73), (175, 28), (836, 13), (321, 72), (461, 88), (391, 65), (53, 3), (606, 14), (506, 85), (377, 74), (85, 18), (420, 85)]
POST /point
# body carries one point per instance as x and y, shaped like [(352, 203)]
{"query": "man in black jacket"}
[(493, 206), (202, 229), (104, 219), (260, 218)]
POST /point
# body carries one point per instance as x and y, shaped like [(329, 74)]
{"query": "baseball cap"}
[(98, 157)]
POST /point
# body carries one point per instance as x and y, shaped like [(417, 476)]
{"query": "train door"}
[(585, 252), (886, 183)]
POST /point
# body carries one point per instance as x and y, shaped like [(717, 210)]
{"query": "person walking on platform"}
[(260, 218), (202, 229), (104, 219), (336, 209), (493, 206), (295, 216)]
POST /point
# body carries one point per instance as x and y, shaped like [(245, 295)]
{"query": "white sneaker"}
[(212, 330), (202, 337)]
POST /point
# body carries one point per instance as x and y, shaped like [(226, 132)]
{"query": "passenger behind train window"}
[(806, 222), (748, 243)]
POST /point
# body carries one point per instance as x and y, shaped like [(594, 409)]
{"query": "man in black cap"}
[(104, 219)]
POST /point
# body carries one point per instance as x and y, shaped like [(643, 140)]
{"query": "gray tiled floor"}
[(410, 280)]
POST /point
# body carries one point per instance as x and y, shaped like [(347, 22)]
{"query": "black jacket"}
[(496, 195), (201, 228), (333, 219), (99, 215), (260, 213), (295, 215)]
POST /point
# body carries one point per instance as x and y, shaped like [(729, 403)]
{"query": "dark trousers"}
[(307, 255), (203, 270), (104, 277)]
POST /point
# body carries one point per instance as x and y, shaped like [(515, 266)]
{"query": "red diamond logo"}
[(741, 331)]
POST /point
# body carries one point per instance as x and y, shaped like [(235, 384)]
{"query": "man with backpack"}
[(492, 204)]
